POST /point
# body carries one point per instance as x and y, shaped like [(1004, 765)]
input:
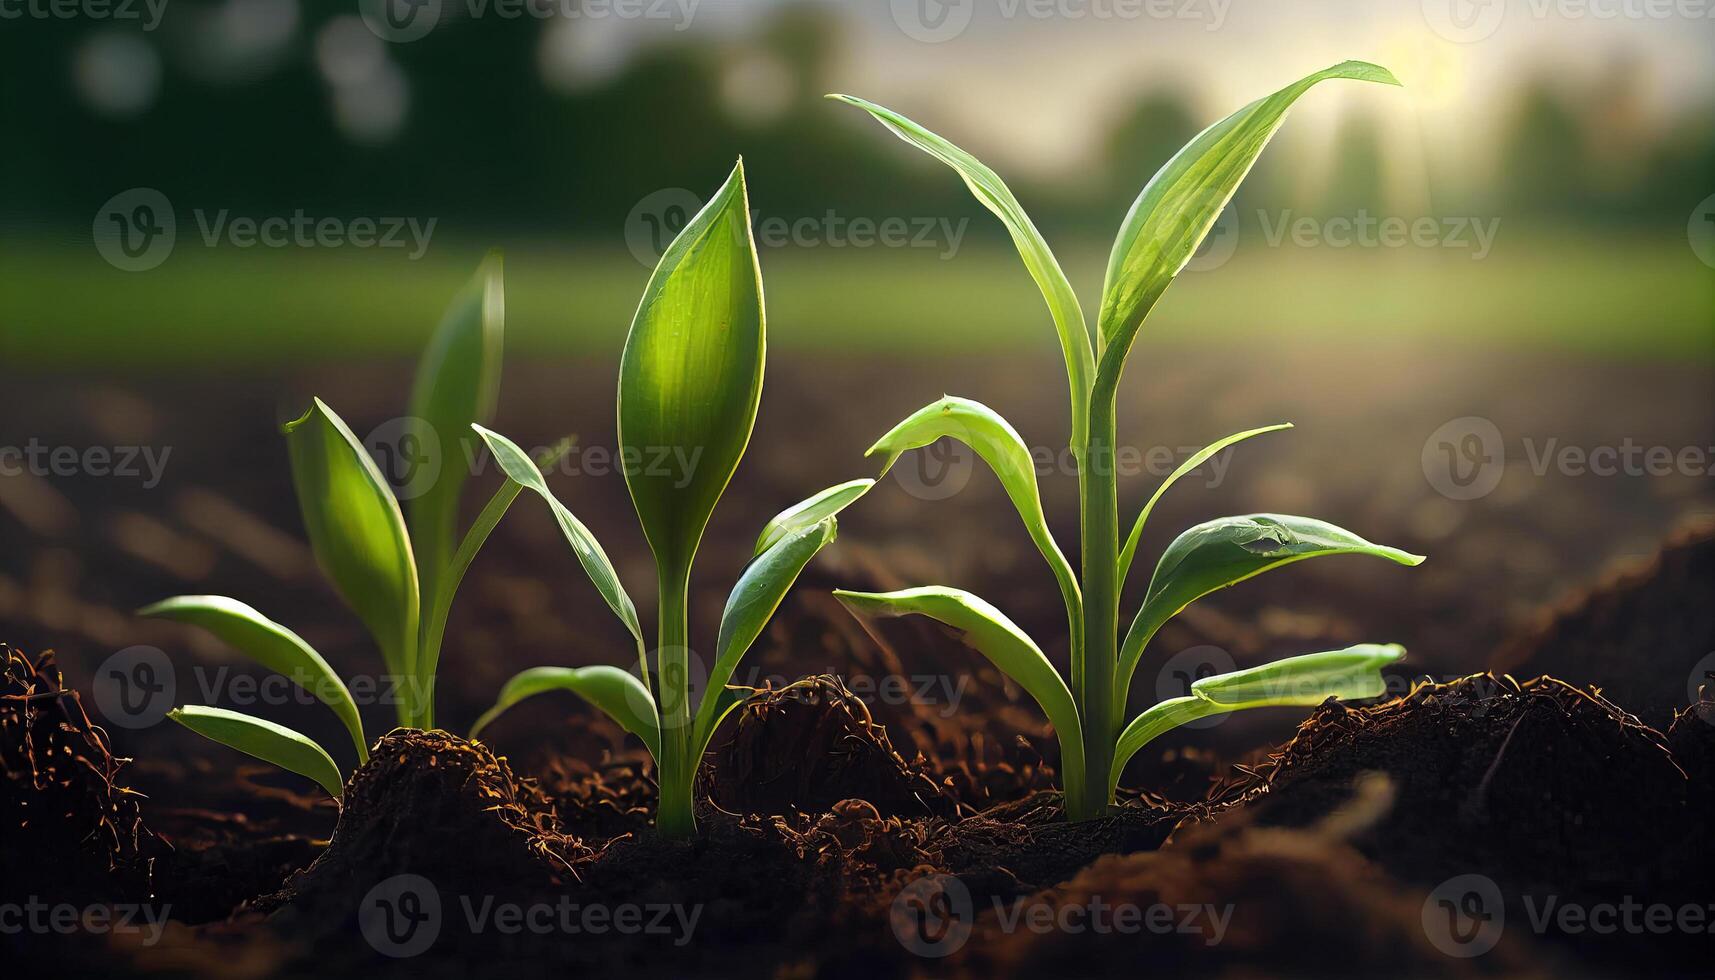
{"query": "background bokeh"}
[(1508, 260)]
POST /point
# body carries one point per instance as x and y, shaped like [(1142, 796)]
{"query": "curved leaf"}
[(457, 381), (1176, 209), (358, 535), (810, 512), (754, 599), (1201, 457), (619, 695), (276, 744), (994, 439), (990, 633), (992, 193), (522, 470), (691, 375), (441, 600), (1307, 680), (1225, 552), (269, 644)]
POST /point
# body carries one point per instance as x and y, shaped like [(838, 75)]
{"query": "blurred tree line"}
[(486, 139)]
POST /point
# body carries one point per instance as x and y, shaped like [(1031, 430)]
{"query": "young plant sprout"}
[(689, 383), (1160, 234), (397, 571)]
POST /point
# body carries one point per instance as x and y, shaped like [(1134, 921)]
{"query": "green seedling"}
[(689, 383), (1164, 228), (397, 570)]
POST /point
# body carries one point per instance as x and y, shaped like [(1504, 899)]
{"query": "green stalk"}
[(674, 816), (1093, 667)]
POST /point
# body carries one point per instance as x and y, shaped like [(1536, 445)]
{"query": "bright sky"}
[(1060, 70)]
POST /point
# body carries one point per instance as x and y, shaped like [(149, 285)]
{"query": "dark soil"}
[(835, 819)]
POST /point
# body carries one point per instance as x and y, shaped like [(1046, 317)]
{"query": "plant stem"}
[(1093, 668), (674, 816)]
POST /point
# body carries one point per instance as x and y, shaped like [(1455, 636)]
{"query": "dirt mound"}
[(1638, 637), (73, 831), (1228, 899), (433, 805), (1540, 783), (812, 744)]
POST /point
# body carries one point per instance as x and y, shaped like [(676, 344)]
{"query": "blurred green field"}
[(64, 308)]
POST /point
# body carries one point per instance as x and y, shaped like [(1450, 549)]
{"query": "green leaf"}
[(277, 744), (1195, 461), (1179, 205), (691, 376), (1310, 679), (440, 606), (619, 695), (1225, 552), (271, 645), (991, 634), (520, 469), (992, 193), (810, 512), (457, 382), (1307, 680), (753, 600), (358, 535), (994, 439)]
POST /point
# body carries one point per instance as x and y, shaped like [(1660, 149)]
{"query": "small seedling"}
[(689, 383), (1164, 228), (385, 563)]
